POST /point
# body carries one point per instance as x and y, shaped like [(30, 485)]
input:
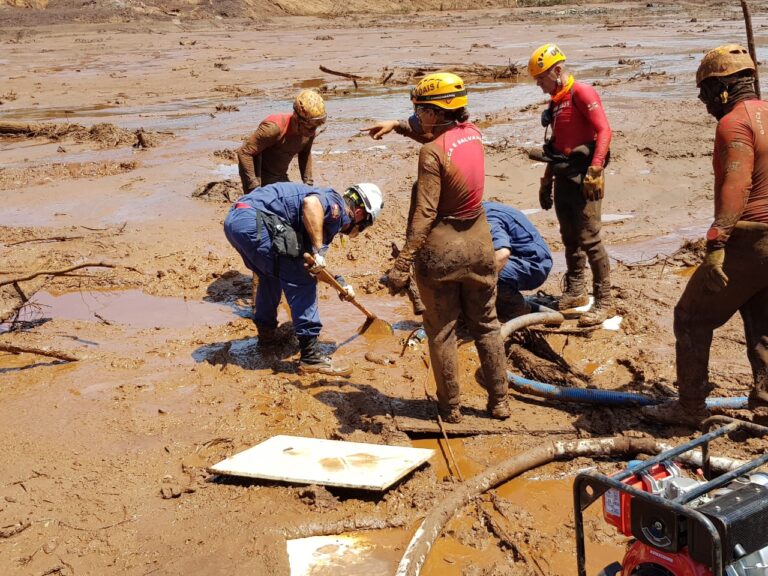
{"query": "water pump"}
[(682, 524)]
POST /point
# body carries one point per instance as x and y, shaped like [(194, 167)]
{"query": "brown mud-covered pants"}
[(455, 274), (580, 226), (699, 312)]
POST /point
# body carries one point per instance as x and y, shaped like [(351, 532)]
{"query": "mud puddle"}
[(131, 308)]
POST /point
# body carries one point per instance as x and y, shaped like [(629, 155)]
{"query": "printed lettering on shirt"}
[(759, 120), (593, 106), (562, 106), (459, 141), (335, 211)]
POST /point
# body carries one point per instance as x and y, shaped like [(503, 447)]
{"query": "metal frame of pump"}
[(589, 486)]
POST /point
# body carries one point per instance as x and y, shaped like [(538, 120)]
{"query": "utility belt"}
[(285, 240), (574, 166)]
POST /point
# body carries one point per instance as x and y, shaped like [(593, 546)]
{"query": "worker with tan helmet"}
[(267, 153), (448, 240), (734, 274), (576, 156)]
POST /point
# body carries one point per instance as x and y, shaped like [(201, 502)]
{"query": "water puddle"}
[(131, 308)]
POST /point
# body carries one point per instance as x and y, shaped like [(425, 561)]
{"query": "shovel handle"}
[(328, 278)]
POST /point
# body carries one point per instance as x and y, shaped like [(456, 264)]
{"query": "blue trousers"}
[(276, 274), (524, 274)]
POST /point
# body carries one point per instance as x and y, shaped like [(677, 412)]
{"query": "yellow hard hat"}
[(543, 58), (724, 61), (442, 89), (309, 105)]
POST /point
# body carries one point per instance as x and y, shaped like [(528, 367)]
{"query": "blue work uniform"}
[(530, 260), (280, 273)]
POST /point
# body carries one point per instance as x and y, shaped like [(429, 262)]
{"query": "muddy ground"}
[(158, 375)]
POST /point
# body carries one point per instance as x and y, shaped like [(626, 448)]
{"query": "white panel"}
[(326, 462)]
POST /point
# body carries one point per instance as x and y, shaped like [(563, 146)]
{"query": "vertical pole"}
[(751, 43)]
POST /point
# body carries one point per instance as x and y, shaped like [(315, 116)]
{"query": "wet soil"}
[(104, 458)]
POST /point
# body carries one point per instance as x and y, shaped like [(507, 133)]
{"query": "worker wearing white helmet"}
[(272, 228)]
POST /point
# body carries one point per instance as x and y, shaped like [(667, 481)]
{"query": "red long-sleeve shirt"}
[(580, 119), (740, 162)]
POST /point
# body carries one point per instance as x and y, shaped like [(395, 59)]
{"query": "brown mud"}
[(104, 457)]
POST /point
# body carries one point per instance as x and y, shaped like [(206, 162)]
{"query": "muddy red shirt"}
[(267, 153), (740, 162), (450, 183), (580, 119)]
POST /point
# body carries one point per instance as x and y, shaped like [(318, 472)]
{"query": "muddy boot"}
[(499, 409), (450, 415), (511, 304), (312, 360), (575, 294), (690, 414), (602, 308), (268, 336)]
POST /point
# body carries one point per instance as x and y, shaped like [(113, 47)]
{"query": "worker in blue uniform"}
[(523, 259), (271, 228)]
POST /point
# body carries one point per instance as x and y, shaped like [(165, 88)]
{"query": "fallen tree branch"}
[(49, 239), (342, 74), (58, 272), (12, 530), (39, 351)]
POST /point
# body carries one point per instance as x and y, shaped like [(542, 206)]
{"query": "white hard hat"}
[(372, 198)]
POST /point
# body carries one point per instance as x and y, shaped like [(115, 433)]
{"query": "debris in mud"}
[(381, 359), (318, 497), (104, 134), (324, 37), (236, 91), (219, 191), (227, 108), (11, 178), (630, 61), (221, 66), (226, 154)]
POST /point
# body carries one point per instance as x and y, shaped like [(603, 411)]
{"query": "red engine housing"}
[(679, 564)]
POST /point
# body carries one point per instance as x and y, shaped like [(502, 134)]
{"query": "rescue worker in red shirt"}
[(734, 274), (267, 153), (576, 155), (448, 241)]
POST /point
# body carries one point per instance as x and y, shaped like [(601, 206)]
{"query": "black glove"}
[(545, 192)]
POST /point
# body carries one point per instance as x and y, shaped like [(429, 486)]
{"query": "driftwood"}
[(39, 351), (8, 531)]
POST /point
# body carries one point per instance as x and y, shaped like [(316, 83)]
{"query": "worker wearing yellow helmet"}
[(733, 276), (448, 248), (574, 180), (266, 154)]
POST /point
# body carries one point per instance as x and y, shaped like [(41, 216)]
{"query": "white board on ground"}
[(326, 462), (347, 554)]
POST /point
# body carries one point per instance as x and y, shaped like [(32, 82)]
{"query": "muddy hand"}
[(593, 186), (380, 129), (397, 280), (545, 192), (714, 277)]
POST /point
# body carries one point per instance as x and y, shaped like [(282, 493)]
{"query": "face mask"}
[(415, 124)]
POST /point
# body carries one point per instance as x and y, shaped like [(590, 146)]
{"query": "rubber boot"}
[(499, 408), (575, 294), (602, 308), (313, 361), (450, 415), (690, 413), (511, 304), (268, 336)]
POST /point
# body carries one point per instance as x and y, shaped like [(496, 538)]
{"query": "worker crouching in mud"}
[(271, 228), (523, 259), (734, 274), (266, 154), (448, 240), (576, 156)]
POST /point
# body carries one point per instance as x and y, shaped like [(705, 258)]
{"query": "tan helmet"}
[(724, 61), (309, 106), (543, 58)]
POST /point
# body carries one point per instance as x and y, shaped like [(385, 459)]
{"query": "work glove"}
[(399, 276), (545, 192), (319, 264), (349, 291), (593, 186), (714, 277)]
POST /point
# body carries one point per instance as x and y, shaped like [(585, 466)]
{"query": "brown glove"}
[(593, 186), (399, 276), (545, 192), (712, 266)]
